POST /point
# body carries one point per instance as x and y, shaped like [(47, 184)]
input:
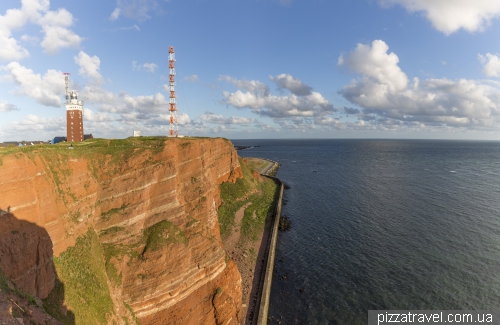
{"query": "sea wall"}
[(265, 290), (153, 209)]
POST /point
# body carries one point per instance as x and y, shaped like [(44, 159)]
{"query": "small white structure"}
[(137, 134)]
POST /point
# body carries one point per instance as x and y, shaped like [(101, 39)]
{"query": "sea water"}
[(384, 224)]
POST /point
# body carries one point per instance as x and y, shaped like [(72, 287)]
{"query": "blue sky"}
[(254, 69)]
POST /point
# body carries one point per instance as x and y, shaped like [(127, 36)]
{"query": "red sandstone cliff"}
[(157, 205)]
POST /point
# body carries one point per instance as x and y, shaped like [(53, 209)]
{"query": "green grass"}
[(262, 202), (132, 312), (82, 274), (112, 230), (117, 251), (256, 164), (105, 216), (162, 234)]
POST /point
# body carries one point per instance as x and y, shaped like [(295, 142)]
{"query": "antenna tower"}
[(174, 130), (66, 77)]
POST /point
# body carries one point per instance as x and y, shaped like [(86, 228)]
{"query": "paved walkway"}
[(266, 168)]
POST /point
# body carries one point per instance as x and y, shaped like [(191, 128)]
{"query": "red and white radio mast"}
[(174, 130)]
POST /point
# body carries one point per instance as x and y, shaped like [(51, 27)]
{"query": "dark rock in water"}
[(284, 223), (286, 186), (244, 147)]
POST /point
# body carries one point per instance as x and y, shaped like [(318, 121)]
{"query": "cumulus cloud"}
[(376, 64), (54, 24), (384, 91), (491, 64), (123, 103), (91, 116), (6, 107), (258, 98), (45, 89), (450, 16), (57, 35), (295, 86), (350, 110), (219, 119), (254, 87), (89, 66), (33, 127)]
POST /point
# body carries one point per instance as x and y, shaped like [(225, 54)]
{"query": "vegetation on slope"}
[(162, 234), (83, 283), (261, 193)]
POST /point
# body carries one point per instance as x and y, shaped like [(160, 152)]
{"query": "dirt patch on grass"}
[(249, 257), (234, 238)]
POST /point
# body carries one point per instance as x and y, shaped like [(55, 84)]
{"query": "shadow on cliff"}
[(26, 259)]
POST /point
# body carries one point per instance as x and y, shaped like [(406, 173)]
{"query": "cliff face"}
[(153, 207)]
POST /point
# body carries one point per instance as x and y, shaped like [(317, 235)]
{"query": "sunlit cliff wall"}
[(153, 207)]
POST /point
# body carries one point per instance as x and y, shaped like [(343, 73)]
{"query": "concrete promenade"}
[(267, 275)]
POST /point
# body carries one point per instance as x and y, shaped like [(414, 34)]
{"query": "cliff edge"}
[(134, 228)]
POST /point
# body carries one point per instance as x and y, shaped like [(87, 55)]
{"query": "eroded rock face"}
[(26, 255), (157, 206)]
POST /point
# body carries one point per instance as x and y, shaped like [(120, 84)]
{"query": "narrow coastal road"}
[(266, 168)]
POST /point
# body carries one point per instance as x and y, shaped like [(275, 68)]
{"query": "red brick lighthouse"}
[(74, 115)]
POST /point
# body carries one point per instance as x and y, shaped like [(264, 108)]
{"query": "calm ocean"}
[(385, 224)]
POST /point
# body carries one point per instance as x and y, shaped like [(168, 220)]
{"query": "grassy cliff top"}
[(98, 145), (96, 148)]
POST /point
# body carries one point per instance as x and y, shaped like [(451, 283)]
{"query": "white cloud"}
[(45, 89), (92, 116), (115, 14), (53, 23), (295, 86), (57, 37), (130, 28), (6, 107), (255, 87), (191, 78), (259, 99), (374, 63), (491, 64), (150, 67), (33, 127), (219, 119), (183, 119), (29, 39), (135, 9), (89, 66), (386, 95), (448, 16)]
